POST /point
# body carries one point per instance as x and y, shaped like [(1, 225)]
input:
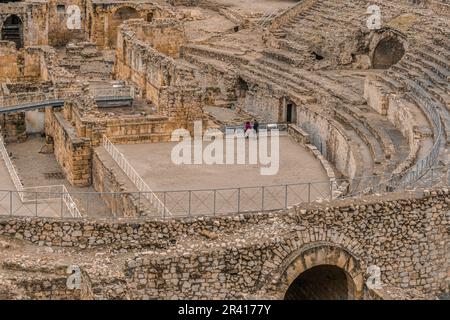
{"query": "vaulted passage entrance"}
[(319, 271), (388, 52), (121, 15), (12, 30), (322, 282)]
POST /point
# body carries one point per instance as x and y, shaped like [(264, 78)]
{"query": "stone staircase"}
[(287, 67)]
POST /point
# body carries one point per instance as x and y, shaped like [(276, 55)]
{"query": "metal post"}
[(214, 205), (139, 204), (286, 197), (189, 212), (114, 195), (262, 199), (164, 202), (309, 192), (10, 203), (239, 201), (331, 190), (36, 205), (87, 202), (62, 205), (432, 176)]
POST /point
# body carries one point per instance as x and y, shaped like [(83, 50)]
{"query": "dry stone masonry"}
[(371, 105)]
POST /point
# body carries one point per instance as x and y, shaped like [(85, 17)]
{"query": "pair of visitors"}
[(249, 128)]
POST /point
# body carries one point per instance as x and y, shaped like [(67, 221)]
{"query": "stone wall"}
[(261, 102), (9, 66), (34, 18), (291, 13), (59, 33), (334, 145), (170, 85), (108, 177), (72, 152), (400, 113), (259, 255), (104, 19)]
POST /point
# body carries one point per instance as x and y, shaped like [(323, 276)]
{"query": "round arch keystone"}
[(317, 254)]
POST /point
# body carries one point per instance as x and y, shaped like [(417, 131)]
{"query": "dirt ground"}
[(37, 169)]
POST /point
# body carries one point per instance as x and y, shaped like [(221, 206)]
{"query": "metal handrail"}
[(24, 191), (60, 94), (132, 174)]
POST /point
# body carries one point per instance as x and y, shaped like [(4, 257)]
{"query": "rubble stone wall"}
[(9, 66), (34, 17), (72, 152), (258, 255), (332, 142)]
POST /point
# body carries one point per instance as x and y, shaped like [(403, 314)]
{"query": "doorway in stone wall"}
[(12, 30), (291, 112)]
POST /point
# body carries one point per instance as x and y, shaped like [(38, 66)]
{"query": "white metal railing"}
[(140, 184), (268, 16), (40, 193), (35, 97), (12, 171), (111, 92), (38, 97)]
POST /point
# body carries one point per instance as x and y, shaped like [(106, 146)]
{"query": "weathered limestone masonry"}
[(104, 17), (303, 139), (28, 73), (33, 20), (80, 127), (59, 34), (291, 13), (9, 66), (107, 176), (73, 153), (145, 58), (259, 255)]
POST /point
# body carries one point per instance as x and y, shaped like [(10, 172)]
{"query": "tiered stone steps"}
[(379, 143)]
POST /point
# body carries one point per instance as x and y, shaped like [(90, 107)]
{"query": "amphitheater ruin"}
[(91, 92)]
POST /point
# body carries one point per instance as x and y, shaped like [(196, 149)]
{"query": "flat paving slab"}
[(206, 189)]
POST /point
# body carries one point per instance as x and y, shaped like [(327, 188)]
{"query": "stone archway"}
[(388, 52), (320, 271), (323, 282), (12, 30), (120, 15)]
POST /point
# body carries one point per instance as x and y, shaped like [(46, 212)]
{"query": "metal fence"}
[(140, 184), (202, 202), (35, 97), (42, 195), (422, 166), (58, 95)]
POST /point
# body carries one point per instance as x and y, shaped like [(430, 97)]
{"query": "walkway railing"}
[(35, 97), (59, 95), (140, 184), (11, 169), (202, 202), (422, 166), (30, 196)]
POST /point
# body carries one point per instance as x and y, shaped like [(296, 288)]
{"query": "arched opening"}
[(150, 17), (388, 52), (291, 112), (242, 88), (12, 30), (319, 270), (324, 282), (122, 14)]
